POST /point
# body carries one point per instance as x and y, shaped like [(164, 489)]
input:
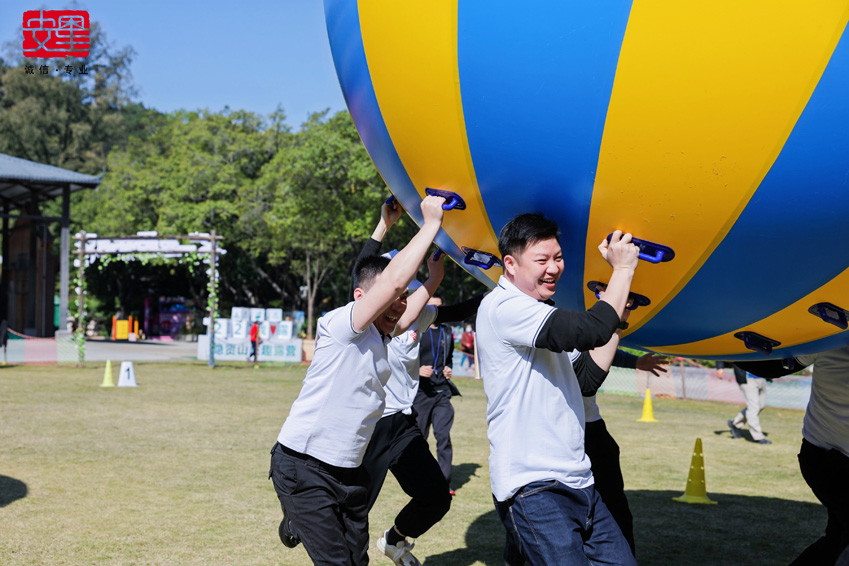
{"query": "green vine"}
[(192, 260), (79, 335)]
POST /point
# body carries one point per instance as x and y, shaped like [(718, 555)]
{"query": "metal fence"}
[(681, 381), (701, 384)]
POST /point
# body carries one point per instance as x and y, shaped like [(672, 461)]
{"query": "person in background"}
[(254, 335), (433, 399), (467, 340), (754, 393)]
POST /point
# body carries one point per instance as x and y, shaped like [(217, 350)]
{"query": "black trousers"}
[(437, 411), (326, 504), (604, 456), (397, 445), (826, 472)]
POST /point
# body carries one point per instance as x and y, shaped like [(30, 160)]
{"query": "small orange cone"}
[(648, 412), (696, 491)]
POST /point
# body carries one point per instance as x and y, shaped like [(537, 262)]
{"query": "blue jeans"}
[(554, 524)]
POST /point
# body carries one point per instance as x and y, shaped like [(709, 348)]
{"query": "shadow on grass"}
[(740, 530), (11, 490), (746, 435), (462, 473)]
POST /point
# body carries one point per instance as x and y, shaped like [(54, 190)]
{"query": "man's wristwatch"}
[(622, 325)]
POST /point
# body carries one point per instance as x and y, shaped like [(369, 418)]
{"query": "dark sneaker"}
[(287, 537), (763, 441), (735, 432)]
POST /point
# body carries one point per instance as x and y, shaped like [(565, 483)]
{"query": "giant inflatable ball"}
[(717, 133)]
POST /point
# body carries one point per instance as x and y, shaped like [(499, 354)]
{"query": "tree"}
[(188, 172), (327, 195), (70, 120)]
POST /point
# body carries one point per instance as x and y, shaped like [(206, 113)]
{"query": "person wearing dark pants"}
[(824, 455), (397, 444), (433, 400), (826, 472), (306, 486), (399, 447), (603, 450), (316, 464)]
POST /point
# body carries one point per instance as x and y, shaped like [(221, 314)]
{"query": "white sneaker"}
[(400, 553)]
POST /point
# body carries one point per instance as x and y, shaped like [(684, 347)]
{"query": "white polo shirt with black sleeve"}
[(535, 409), (403, 385), (343, 393), (827, 417)]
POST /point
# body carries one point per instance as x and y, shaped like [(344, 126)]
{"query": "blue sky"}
[(210, 54)]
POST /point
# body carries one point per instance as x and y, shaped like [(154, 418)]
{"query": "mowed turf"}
[(175, 471)]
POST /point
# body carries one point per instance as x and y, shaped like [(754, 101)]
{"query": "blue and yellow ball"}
[(719, 129)]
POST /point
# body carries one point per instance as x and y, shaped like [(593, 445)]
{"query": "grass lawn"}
[(175, 472)]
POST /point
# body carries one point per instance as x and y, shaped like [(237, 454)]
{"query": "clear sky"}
[(195, 54)]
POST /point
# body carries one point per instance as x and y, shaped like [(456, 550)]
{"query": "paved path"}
[(145, 351)]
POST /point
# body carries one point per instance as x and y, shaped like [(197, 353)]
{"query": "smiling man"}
[(543, 488), (316, 463)]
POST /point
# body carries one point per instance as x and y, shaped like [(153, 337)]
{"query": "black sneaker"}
[(735, 432), (287, 537), (763, 441)]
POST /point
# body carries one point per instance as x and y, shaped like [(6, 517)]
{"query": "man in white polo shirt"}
[(316, 462), (397, 444), (541, 478)]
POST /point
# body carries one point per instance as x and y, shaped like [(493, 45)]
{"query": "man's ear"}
[(358, 294), (510, 264)]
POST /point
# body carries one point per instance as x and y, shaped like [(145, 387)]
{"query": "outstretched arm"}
[(772, 369), (458, 311), (389, 215), (417, 301), (401, 270)]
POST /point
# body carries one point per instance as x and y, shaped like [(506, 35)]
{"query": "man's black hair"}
[(525, 230), (367, 270)]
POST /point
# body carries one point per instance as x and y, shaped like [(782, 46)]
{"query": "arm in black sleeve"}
[(590, 376), (458, 311), (771, 369), (449, 348), (623, 359), (371, 247), (566, 330)]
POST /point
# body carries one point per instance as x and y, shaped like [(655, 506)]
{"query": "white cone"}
[(127, 378)]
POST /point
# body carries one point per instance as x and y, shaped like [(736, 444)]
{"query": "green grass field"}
[(175, 472)]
